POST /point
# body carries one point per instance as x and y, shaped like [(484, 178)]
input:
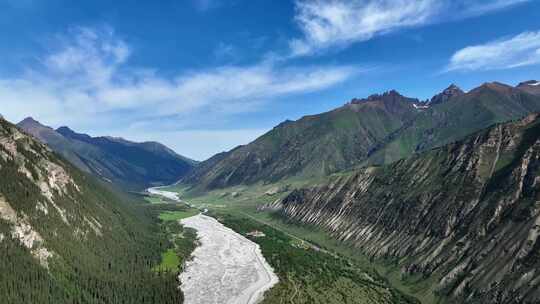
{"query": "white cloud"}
[(88, 76), (520, 50), (338, 23), (473, 8), (87, 81)]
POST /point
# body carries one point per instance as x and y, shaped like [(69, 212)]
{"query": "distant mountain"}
[(56, 141), (67, 238), (376, 130), (312, 146), (131, 165), (463, 218)]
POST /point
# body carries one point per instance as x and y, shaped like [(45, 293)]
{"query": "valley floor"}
[(312, 267), (307, 272), (225, 267)]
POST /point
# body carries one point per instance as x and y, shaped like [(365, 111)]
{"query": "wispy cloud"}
[(205, 5), (517, 51), (88, 76), (339, 23), (479, 7)]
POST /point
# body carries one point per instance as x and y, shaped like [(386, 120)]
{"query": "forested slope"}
[(65, 238)]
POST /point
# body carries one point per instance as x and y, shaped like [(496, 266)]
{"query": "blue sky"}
[(203, 76)]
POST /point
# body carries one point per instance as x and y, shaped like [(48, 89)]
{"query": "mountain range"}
[(311, 146), (446, 190), (133, 166), (377, 130), (465, 215)]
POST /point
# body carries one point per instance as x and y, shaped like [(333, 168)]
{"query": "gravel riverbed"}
[(226, 267)]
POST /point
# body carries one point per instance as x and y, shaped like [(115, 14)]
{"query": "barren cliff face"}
[(467, 213)]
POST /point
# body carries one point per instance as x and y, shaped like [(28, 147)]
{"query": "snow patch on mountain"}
[(420, 106)]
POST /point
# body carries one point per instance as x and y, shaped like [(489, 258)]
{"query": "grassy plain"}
[(181, 241), (169, 261)]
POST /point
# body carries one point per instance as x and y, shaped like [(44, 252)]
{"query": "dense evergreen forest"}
[(103, 244)]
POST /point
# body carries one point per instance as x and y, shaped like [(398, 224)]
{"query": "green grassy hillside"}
[(378, 130), (310, 147)]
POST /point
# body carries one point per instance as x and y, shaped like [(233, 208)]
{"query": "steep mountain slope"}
[(466, 214), (132, 165), (312, 146), (459, 116), (65, 238), (378, 130)]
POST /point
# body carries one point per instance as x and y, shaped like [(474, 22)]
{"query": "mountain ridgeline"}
[(66, 238), (459, 116), (312, 146), (466, 214), (133, 166), (379, 129)]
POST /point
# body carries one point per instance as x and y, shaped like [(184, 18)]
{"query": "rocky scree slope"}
[(133, 166), (312, 146), (466, 214), (64, 238)]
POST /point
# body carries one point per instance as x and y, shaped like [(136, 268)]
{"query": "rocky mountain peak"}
[(30, 121), (35, 128), (391, 101), (387, 96), (531, 87), (448, 93), (529, 83)]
